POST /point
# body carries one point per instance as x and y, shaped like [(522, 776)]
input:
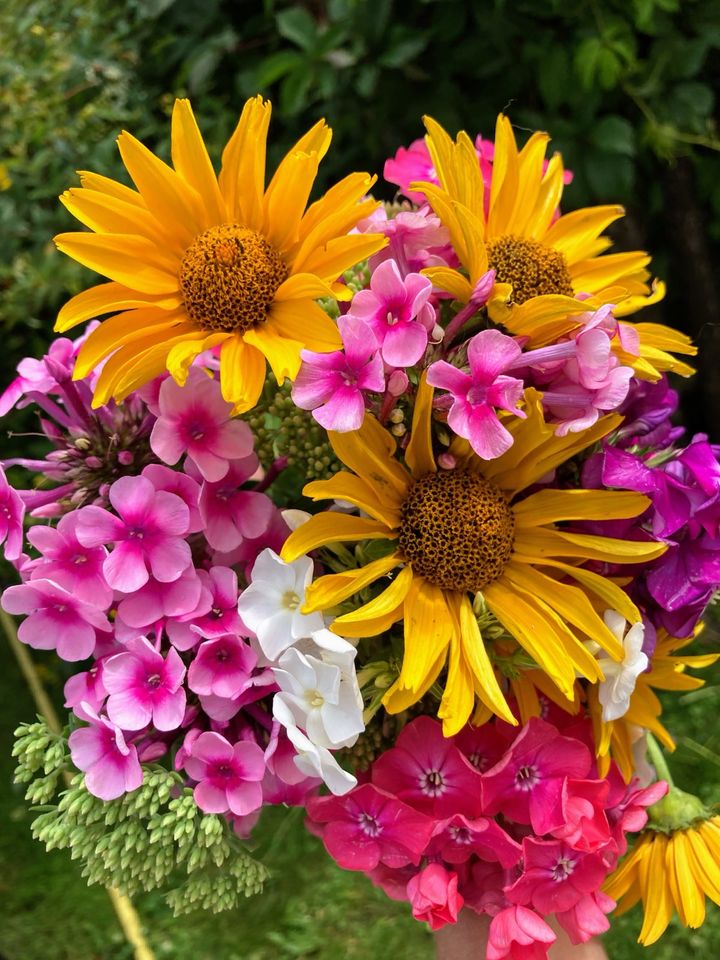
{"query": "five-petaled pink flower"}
[(228, 776), (217, 614), (232, 515), (145, 687), (66, 561), (222, 667), (433, 895), (111, 766), (518, 933), (12, 511), (555, 876)]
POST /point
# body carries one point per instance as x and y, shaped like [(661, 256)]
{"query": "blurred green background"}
[(626, 88)]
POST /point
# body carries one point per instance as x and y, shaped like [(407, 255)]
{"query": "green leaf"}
[(298, 26), (614, 134), (586, 61), (276, 66), (295, 88), (553, 78), (609, 175), (403, 51)]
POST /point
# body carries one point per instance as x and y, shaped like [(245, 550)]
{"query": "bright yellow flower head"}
[(469, 530), (197, 260)]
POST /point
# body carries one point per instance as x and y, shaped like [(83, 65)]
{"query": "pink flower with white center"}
[(484, 746), (526, 785), (475, 396), (428, 772), (232, 515), (228, 776), (332, 384), (399, 313), (12, 512), (56, 619), (518, 933), (183, 486), (369, 826), (145, 687), (555, 876), (147, 533), (433, 895), (194, 419), (221, 584), (156, 602), (66, 561), (587, 918), (86, 686), (457, 838), (222, 667), (110, 765)]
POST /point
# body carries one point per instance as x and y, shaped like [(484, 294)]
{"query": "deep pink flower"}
[(194, 419), (56, 620), (12, 512), (481, 882), (555, 877), (157, 601), (627, 805), (408, 165), (232, 515), (427, 771), (585, 824), (457, 838), (587, 918), (86, 686), (222, 667), (417, 239), (478, 394), (66, 561), (332, 384), (147, 533), (144, 687), (399, 313), (111, 766), (38, 376), (220, 584), (228, 776), (368, 826), (484, 746), (517, 933), (182, 485), (434, 897)]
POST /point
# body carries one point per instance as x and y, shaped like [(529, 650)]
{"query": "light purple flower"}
[(12, 512), (144, 687), (86, 687), (39, 376), (232, 515), (147, 533), (56, 620), (111, 766), (66, 561), (478, 394), (228, 776), (195, 419), (222, 667), (332, 384)]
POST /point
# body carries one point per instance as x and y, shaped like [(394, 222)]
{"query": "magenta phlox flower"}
[(555, 876), (68, 562), (399, 313), (194, 419), (39, 376), (627, 805), (457, 838), (408, 165), (484, 746), (147, 533), (475, 396), (428, 772), (145, 687), (230, 514), (517, 933), (110, 765), (87, 687), (220, 584), (481, 882), (157, 602), (369, 826), (182, 485), (433, 895), (56, 619), (332, 385), (585, 825), (228, 776), (222, 666), (587, 918), (527, 784), (647, 410), (12, 513), (416, 239)]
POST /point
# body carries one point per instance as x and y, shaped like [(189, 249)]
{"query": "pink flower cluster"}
[(515, 825)]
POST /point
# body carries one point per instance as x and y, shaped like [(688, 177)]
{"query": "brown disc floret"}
[(532, 268)]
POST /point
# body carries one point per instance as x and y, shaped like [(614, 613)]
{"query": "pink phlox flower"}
[(194, 419), (483, 746), (433, 895), (417, 239), (627, 805), (475, 396), (587, 918), (481, 882), (518, 933), (66, 561), (157, 602), (399, 313), (457, 838), (221, 709), (147, 533), (527, 783), (110, 765), (230, 514), (245, 555), (393, 881), (585, 825), (555, 876), (36, 376), (228, 776), (332, 385), (220, 618), (87, 687), (56, 619), (182, 485), (428, 772), (145, 687), (369, 826), (408, 165), (12, 513), (222, 666)]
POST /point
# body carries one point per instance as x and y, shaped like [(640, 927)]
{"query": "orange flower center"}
[(532, 268), (229, 276), (457, 530)]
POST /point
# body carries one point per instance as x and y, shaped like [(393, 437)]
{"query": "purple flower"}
[(232, 515), (12, 512), (40, 376), (144, 687), (148, 533), (66, 561), (222, 667), (111, 766), (56, 620), (228, 777), (183, 486)]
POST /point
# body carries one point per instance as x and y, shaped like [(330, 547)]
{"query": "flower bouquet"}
[(423, 577)]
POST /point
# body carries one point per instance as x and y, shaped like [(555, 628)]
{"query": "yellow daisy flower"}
[(468, 530), (541, 264), (196, 260)]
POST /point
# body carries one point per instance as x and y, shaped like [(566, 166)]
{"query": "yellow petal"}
[(428, 631), (287, 197), (657, 901), (386, 603), (691, 896), (530, 175), (307, 323), (119, 330), (534, 544), (346, 486), (182, 355), (104, 298), (129, 260), (332, 589), (451, 281), (282, 354), (105, 214), (190, 159), (458, 698), (613, 596), (504, 186), (242, 373), (111, 188), (369, 453), (399, 698), (706, 868), (326, 528), (339, 254), (486, 684), (574, 233), (303, 286), (370, 626), (242, 176), (419, 452), (549, 506), (549, 196)]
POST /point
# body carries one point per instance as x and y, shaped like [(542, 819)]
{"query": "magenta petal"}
[(404, 344), (244, 798), (132, 498), (490, 353), (352, 849), (170, 514), (96, 526), (106, 780), (488, 437), (130, 709), (166, 441), (249, 760), (447, 377), (125, 568), (169, 557), (169, 709), (344, 411), (210, 798), (212, 748)]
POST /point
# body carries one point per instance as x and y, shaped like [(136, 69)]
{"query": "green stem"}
[(658, 759)]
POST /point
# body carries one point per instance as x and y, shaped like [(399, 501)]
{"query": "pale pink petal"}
[(132, 498), (210, 798), (490, 353), (169, 709), (404, 344), (245, 798), (343, 412), (96, 526), (166, 441), (169, 557), (125, 568)]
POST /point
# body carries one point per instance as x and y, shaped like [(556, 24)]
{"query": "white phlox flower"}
[(310, 759), (620, 678)]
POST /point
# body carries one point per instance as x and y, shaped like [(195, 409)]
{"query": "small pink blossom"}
[(475, 396), (518, 933), (222, 667), (434, 897), (555, 876), (56, 619), (39, 376), (147, 533), (457, 838), (587, 918), (585, 825), (66, 561), (416, 239), (232, 515), (228, 777), (332, 384), (12, 512), (86, 686), (144, 687), (408, 165), (194, 419), (157, 601), (399, 313), (111, 766), (221, 617)]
